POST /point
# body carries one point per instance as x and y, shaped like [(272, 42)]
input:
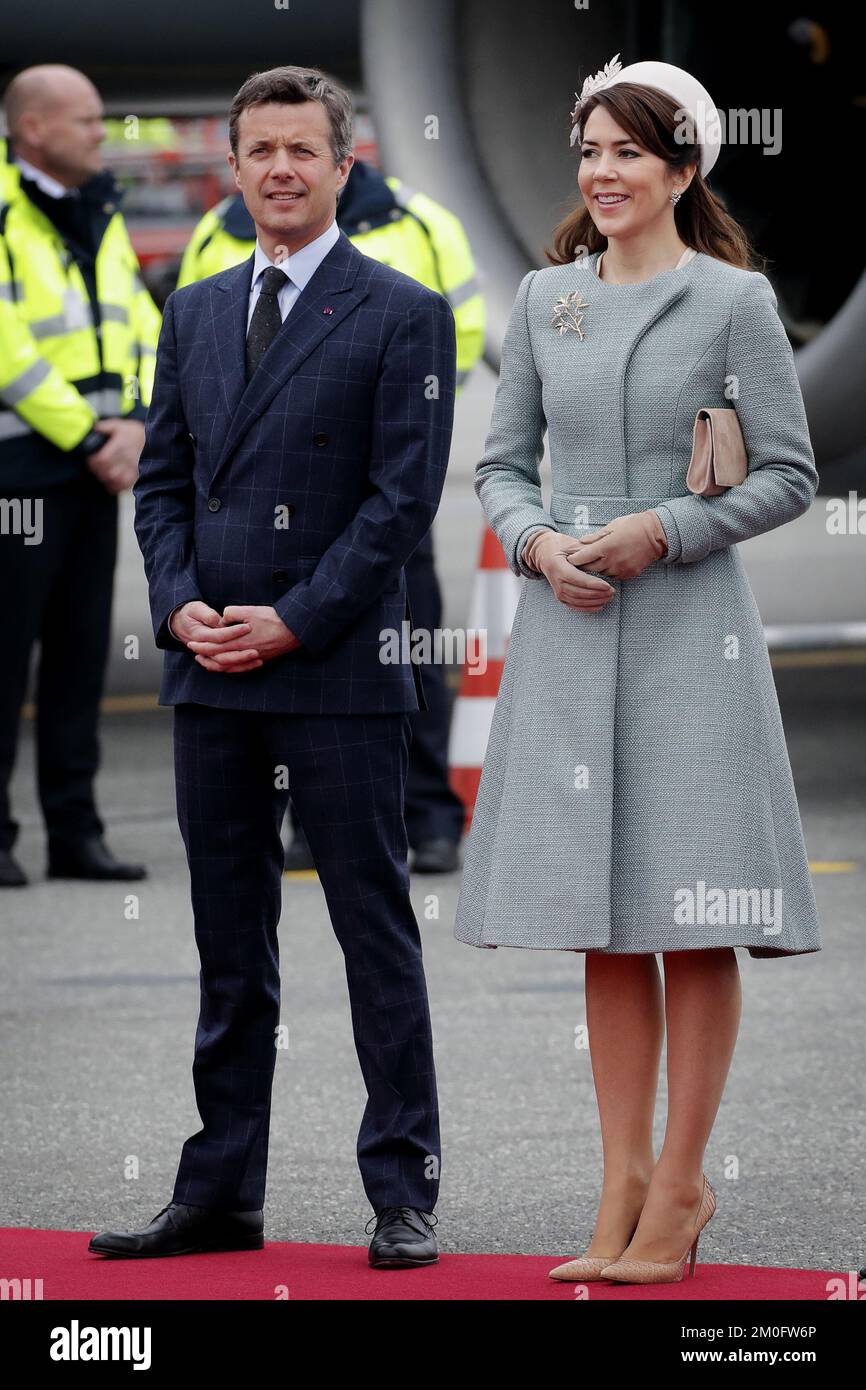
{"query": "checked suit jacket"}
[(306, 489)]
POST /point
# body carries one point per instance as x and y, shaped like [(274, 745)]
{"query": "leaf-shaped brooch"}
[(568, 313)]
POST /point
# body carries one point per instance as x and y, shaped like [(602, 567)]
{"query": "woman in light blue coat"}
[(636, 795)]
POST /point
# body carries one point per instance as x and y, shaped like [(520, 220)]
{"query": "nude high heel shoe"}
[(585, 1268), (661, 1272), (582, 1270)]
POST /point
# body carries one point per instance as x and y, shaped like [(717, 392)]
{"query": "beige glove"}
[(624, 547), (546, 552)]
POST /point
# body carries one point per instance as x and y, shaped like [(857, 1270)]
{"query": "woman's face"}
[(613, 163)]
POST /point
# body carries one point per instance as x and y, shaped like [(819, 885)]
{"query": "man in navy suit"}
[(295, 455)]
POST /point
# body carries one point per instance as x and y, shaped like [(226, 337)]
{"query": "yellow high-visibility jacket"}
[(58, 373), (423, 239)]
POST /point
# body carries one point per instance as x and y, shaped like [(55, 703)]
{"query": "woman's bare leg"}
[(625, 1020), (703, 1002)]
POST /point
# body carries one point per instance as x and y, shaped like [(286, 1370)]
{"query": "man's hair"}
[(293, 85)]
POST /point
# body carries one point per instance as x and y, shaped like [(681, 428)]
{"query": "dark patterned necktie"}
[(265, 322)]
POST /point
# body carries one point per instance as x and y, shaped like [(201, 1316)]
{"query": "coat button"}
[(214, 504), (320, 438), (281, 577)]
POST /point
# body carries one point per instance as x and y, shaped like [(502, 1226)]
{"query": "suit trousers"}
[(59, 593), (347, 775)]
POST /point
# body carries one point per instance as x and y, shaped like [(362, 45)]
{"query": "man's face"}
[(67, 134), (285, 170)]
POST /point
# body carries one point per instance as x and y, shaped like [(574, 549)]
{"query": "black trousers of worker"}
[(346, 774), (58, 593), (433, 810)]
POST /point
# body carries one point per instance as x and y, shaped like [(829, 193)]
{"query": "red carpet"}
[(339, 1272)]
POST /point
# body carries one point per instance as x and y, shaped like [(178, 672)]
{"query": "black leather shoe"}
[(11, 873), (184, 1230), (89, 858), (403, 1238), (298, 855), (436, 857)]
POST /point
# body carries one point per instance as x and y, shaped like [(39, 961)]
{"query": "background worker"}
[(78, 336)]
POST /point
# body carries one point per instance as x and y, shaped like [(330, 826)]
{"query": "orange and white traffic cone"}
[(495, 592)]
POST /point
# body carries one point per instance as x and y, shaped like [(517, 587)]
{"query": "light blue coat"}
[(636, 794)]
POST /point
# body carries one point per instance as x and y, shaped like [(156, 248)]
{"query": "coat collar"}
[(328, 297), (627, 310)]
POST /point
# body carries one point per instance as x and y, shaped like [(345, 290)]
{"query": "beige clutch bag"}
[(718, 453)]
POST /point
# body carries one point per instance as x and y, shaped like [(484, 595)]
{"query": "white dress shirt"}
[(300, 268), (53, 187)]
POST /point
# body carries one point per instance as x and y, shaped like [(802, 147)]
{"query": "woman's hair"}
[(652, 119)]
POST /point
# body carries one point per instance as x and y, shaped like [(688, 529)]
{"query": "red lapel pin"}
[(327, 311)]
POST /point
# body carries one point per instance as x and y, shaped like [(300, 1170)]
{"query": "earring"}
[(675, 198)]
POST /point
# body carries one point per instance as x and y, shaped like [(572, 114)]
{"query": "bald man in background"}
[(78, 335)]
